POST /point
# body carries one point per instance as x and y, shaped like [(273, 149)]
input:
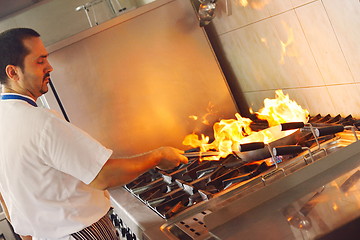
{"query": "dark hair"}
[(12, 49)]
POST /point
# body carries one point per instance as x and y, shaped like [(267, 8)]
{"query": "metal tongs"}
[(200, 154)]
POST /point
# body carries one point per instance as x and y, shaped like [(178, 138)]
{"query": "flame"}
[(335, 207), (255, 4), (210, 111), (264, 41), (282, 109), (194, 141), (193, 117), (243, 3), (229, 133), (206, 118)]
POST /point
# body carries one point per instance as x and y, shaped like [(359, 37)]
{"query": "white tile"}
[(297, 3), (346, 99), (323, 43), (319, 101), (296, 63), (345, 18), (278, 6), (236, 16), (271, 54), (249, 59)]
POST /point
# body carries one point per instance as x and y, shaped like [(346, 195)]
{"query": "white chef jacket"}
[(45, 166)]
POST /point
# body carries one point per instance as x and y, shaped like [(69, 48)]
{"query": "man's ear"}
[(12, 72)]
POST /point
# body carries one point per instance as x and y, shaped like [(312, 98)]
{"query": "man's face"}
[(35, 75)]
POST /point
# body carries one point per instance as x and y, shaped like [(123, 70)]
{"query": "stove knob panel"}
[(129, 236), (116, 222), (124, 231)]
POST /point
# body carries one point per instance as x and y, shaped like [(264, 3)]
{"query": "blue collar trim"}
[(18, 97)]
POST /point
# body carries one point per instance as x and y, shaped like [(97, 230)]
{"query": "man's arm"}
[(117, 172)]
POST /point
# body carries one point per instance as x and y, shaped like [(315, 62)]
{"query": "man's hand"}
[(26, 237), (119, 171), (170, 158)]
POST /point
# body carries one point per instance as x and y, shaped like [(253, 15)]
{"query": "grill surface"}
[(182, 197)]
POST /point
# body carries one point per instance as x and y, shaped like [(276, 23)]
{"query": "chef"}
[(54, 176)]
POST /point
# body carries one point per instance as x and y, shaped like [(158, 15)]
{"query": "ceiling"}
[(8, 7)]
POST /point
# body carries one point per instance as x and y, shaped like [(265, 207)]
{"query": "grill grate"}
[(171, 192)]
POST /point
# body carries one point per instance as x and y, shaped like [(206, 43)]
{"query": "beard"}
[(43, 91), (44, 88)]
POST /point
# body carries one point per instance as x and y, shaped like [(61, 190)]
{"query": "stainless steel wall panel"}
[(134, 85)]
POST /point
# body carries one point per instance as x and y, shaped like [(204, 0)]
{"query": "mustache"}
[(46, 75)]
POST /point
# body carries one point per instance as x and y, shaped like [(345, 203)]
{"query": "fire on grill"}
[(229, 133), (243, 150)]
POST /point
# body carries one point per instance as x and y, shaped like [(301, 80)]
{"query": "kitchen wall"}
[(310, 49), (56, 20), (141, 80), (307, 48)]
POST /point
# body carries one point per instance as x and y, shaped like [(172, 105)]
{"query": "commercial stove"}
[(306, 190)]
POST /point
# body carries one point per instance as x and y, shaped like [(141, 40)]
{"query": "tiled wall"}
[(310, 49)]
